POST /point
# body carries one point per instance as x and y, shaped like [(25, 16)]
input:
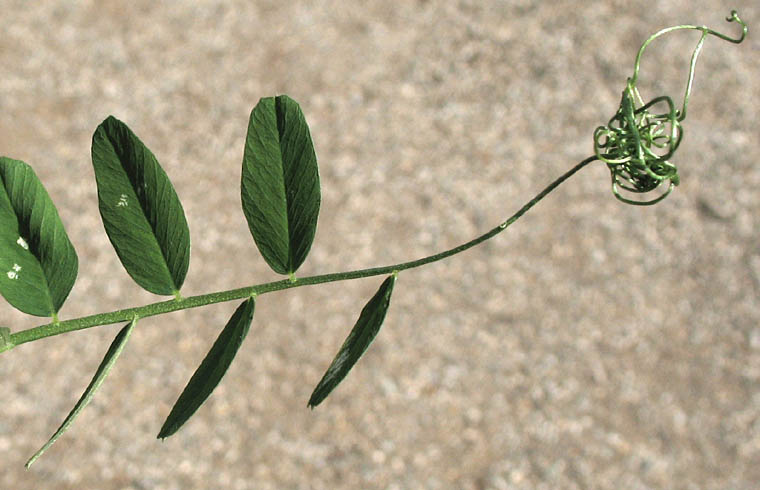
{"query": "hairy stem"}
[(129, 314)]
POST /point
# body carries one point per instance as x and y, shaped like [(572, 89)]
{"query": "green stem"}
[(179, 303)]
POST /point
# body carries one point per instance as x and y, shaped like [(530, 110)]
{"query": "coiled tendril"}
[(638, 141)]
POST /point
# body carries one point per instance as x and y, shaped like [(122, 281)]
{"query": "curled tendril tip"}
[(639, 140)]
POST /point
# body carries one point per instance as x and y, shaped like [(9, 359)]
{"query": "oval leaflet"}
[(38, 264), (280, 183), (141, 211)]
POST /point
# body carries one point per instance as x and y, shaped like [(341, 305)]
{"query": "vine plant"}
[(280, 191)]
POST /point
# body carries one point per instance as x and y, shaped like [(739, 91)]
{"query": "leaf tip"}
[(109, 122), (31, 461), (167, 430), (313, 402)]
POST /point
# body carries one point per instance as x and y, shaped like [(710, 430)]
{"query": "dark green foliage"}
[(38, 264), (280, 183), (141, 212), (357, 342), (212, 369)]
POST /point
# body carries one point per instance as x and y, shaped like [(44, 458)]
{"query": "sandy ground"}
[(593, 345)]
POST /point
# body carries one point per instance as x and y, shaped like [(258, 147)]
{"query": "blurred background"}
[(592, 345)]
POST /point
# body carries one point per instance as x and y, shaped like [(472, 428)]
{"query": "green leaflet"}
[(100, 375), (38, 264), (141, 212), (357, 342), (212, 369), (280, 183)]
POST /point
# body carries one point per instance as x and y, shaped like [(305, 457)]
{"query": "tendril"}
[(639, 140)]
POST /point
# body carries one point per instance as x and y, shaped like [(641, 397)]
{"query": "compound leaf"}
[(212, 369), (280, 183), (357, 342), (100, 375), (141, 212), (38, 264)]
